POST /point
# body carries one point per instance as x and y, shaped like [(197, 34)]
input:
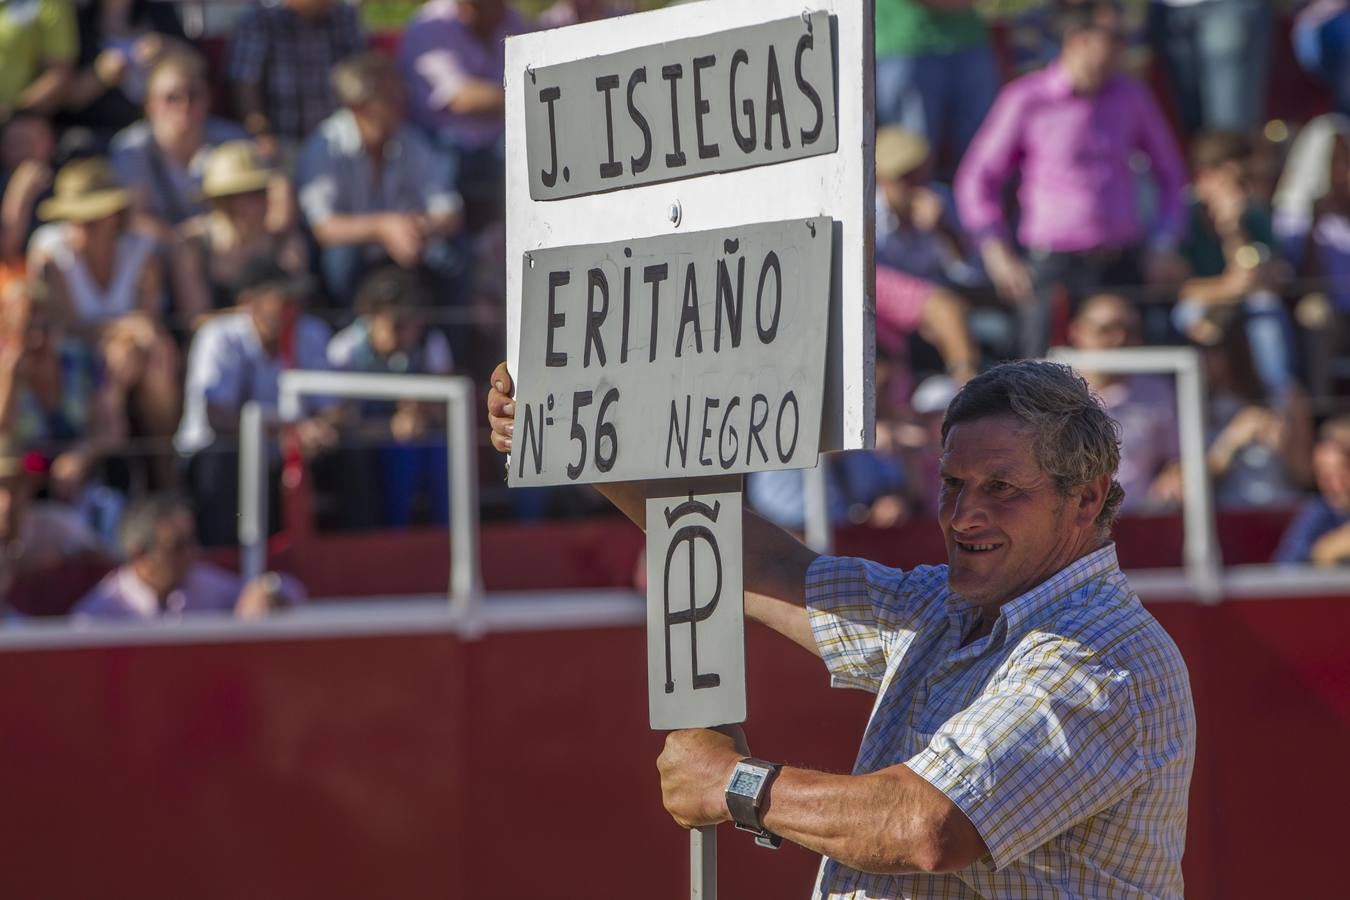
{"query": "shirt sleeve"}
[(212, 372), (1302, 532), (59, 35), (248, 49), (857, 608), (993, 155), (1050, 744), (1169, 170), (429, 167)]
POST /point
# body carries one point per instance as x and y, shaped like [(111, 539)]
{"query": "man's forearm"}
[(774, 564), (341, 230), (47, 92), (887, 822)]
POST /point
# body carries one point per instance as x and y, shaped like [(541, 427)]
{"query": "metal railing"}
[(456, 392)]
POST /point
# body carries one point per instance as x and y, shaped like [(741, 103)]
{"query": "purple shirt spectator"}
[(1073, 151), (441, 54), (207, 588)]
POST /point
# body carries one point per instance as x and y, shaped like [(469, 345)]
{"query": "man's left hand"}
[(695, 768)]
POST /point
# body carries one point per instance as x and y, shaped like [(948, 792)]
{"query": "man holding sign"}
[(1033, 733)]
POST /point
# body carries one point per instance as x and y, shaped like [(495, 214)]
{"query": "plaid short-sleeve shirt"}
[(1066, 736)]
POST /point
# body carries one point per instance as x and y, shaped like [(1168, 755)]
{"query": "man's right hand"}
[(501, 408), (1011, 277), (402, 239)]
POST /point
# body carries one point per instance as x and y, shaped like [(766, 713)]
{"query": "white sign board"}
[(683, 356), (695, 607), (838, 186), (740, 98)]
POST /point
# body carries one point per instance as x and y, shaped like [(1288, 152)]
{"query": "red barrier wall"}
[(521, 765)]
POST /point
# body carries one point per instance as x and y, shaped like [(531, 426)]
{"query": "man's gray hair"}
[(1073, 438), (136, 534)]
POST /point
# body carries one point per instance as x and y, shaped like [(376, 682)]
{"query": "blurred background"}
[(271, 697)]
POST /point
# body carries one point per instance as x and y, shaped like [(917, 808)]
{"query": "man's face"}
[(166, 564), (176, 102), (481, 15), (273, 311), (1092, 55), (396, 331), (381, 118), (1331, 465), (1106, 324), (899, 191), (15, 493), (1007, 527)]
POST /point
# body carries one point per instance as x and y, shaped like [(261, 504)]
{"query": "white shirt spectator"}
[(227, 366)]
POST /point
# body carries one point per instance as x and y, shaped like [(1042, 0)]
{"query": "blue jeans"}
[(942, 96), (406, 468), (1216, 55)]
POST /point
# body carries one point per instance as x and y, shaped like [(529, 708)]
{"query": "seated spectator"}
[(237, 357), (1216, 56), (34, 536), (162, 157), (390, 336), (453, 58), (1071, 131), (163, 574), (936, 74), (905, 306), (917, 228), (120, 40), (280, 61), (863, 487), (240, 225), (39, 45), (571, 12), (105, 285), (27, 154), (53, 398), (372, 189), (1260, 440), (1320, 531), (1144, 405), (1228, 249)]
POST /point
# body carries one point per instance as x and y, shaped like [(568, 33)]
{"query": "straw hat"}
[(899, 152), (234, 167), (86, 190)]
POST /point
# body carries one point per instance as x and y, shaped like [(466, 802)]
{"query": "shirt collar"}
[(1023, 609)]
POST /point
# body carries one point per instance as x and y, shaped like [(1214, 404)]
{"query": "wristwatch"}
[(746, 790)]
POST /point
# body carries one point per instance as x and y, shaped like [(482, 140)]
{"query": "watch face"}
[(745, 782)]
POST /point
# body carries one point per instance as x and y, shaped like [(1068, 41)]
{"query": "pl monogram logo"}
[(692, 535)]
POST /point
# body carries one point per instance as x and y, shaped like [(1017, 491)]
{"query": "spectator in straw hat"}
[(240, 225), (917, 228), (105, 283)]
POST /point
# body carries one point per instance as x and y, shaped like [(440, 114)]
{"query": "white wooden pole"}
[(703, 863)]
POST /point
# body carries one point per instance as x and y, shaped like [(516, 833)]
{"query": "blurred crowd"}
[(181, 221)]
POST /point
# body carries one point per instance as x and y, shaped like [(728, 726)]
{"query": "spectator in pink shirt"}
[(1071, 132), (453, 59)]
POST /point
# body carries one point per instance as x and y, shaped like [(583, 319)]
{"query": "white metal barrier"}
[(456, 392)]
